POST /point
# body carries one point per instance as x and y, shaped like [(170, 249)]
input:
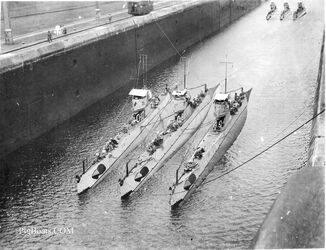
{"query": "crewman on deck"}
[(273, 6), (111, 144), (286, 6), (300, 7), (158, 140), (199, 153), (114, 142)]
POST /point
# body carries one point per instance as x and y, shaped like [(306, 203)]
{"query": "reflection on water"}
[(278, 59)]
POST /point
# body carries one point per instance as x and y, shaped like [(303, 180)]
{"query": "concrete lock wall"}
[(43, 87)]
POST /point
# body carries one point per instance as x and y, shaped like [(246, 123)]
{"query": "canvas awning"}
[(179, 93), (138, 92), (221, 97)]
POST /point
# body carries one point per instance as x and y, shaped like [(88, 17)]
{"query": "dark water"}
[(279, 60)]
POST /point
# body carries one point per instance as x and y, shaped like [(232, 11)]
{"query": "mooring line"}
[(168, 39), (275, 143), (258, 154)]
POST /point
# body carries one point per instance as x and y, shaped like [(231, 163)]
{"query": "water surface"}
[(279, 60)]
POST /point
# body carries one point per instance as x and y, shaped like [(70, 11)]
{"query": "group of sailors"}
[(227, 106), (196, 100), (155, 143), (155, 101), (158, 140), (111, 144), (173, 125), (139, 116), (236, 103), (190, 165)]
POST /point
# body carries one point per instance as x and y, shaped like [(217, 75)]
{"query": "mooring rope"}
[(168, 38), (260, 153), (266, 149)]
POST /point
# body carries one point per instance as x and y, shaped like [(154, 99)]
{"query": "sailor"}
[(150, 148), (116, 139), (136, 118), (133, 122), (107, 146), (199, 100), (98, 157), (219, 123), (238, 99), (155, 101), (158, 140), (273, 6), (189, 166), (286, 6), (49, 36), (180, 121), (110, 144), (64, 31), (199, 153), (234, 107), (104, 151), (166, 89), (114, 142), (173, 126), (124, 129), (300, 7), (196, 101)]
